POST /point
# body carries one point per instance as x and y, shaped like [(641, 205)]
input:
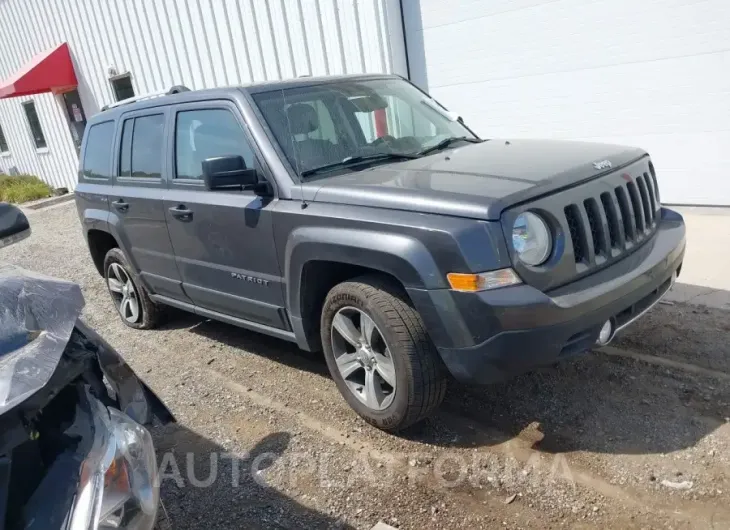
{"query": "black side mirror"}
[(14, 225), (228, 172)]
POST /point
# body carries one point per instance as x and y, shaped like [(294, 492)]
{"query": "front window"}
[(207, 133), (347, 125)]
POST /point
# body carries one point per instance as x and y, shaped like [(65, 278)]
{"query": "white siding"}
[(654, 73), (197, 43)]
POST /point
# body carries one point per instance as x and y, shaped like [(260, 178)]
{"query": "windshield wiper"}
[(356, 160), (446, 142)]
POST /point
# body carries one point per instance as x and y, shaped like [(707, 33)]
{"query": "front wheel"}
[(379, 354)]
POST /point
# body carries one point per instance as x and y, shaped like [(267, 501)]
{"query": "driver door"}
[(223, 239)]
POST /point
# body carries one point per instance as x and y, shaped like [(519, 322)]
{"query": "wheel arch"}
[(100, 243), (318, 258)]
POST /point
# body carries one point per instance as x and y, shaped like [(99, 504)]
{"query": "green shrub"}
[(22, 188)]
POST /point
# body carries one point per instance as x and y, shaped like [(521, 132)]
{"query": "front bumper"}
[(518, 328)]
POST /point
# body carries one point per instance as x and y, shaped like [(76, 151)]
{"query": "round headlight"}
[(531, 239)]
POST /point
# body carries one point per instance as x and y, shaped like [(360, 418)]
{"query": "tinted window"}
[(35, 125), (98, 153), (201, 134), (125, 156), (147, 146)]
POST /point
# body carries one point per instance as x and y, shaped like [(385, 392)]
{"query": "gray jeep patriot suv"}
[(358, 216)]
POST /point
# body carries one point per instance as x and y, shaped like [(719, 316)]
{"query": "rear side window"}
[(142, 147), (207, 133), (98, 153)]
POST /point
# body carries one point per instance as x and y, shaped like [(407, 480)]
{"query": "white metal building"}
[(654, 73), (124, 47), (650, 73)]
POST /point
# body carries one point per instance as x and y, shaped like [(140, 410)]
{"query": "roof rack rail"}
[(177, 89)]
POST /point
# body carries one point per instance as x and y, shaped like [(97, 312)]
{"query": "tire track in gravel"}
[(665, 363), (519, 448)]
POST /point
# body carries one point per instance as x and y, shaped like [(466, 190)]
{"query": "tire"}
[(420, 375), (148, 314)]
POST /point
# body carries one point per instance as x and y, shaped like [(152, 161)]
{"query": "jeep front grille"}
[(612, 222), (596, 223)]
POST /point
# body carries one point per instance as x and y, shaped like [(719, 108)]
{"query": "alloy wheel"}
[(123, 293), (363, 358)]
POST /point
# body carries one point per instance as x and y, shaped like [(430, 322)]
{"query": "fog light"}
[(605, 335)]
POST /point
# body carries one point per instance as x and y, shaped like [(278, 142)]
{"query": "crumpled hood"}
[(476, 180), (37, 316)]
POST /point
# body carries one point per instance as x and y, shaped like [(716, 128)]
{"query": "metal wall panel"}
[(654, 73), (198, 43)]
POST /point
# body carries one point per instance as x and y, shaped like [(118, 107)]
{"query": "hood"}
[(37, 316), (476, 180)]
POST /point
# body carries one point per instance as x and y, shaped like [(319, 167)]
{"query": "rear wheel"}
[(379, 353), (130, 299)]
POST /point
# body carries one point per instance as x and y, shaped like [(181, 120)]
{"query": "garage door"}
[(654, 74)]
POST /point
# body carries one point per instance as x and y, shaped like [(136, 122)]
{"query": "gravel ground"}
[(263, 439)]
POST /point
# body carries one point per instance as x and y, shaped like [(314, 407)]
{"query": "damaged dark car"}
[(74, 450)]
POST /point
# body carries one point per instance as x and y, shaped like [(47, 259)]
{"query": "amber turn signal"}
[(470, 283)]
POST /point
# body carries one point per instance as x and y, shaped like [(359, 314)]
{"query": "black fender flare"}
[(403, 257)]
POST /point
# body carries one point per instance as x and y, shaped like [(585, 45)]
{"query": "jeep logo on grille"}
[(602, 164)]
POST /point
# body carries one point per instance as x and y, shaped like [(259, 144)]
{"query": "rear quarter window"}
[(98, 151)]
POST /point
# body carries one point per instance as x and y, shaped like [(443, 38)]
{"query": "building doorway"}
[(76, 116)]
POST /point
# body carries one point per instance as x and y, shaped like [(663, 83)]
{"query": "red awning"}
[(50, 71)]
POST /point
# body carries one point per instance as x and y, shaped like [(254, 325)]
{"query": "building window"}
[(35, 125), (3, 142), (122, 86)]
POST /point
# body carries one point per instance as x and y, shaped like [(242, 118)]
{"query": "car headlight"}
[(119, 484), (531, 239)]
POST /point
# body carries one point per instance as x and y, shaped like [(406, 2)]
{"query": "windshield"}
[(332, 126)]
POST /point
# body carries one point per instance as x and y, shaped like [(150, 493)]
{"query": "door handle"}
[(121, 205), (182, 213)]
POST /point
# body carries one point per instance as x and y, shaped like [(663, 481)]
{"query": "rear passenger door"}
[(225, 246), (136, 207)]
